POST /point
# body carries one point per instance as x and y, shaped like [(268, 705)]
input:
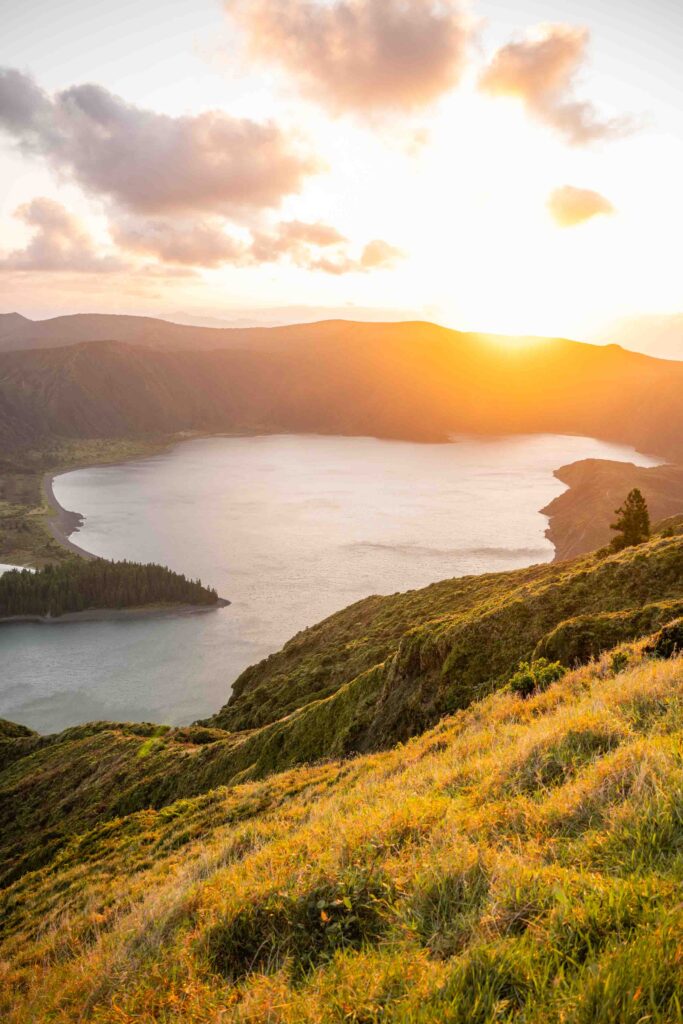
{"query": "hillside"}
[(415, 381), (580, 517), (519, 862), (30, 534), (363, 680)]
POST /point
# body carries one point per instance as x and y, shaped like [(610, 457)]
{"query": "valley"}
[(380, 821), (289, 528), (341, 512)]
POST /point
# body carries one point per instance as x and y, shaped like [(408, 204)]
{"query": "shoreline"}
[(60, 521), (115, 614), (579, 518)]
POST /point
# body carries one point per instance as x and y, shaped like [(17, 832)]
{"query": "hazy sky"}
[(508, 167)]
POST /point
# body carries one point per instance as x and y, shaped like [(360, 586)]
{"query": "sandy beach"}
[(63, 523)]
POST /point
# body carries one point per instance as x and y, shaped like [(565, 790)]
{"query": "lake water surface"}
[(289, 529)]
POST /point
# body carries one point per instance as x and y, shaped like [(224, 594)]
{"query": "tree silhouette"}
[(633, 524)]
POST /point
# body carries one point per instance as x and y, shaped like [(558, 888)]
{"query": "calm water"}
[(290, 529)]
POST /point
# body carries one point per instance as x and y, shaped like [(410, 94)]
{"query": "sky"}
[(511, 168)]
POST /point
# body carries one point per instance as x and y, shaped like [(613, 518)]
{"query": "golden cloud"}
[(360, 55), (541, 71), (571, 206)]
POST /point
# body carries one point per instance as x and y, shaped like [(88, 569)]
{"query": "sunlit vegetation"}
[(409, 658), (519, 862), (305, 857), (535, 676), (394, 666), (78, 585)]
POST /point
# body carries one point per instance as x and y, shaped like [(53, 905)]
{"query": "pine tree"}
[(633, 524)]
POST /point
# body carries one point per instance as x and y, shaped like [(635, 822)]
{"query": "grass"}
[(521, 861), (54, 787), (450, 643)]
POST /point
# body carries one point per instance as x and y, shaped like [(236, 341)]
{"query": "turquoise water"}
[(290, 529)]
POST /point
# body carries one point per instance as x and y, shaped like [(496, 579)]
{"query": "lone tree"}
[(633, 524)]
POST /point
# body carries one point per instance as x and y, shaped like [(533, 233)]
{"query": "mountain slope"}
[(520, 862), (365, 679), (416, 381)]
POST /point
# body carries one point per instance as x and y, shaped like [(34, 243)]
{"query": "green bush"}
[(536, 676), (668, 642)]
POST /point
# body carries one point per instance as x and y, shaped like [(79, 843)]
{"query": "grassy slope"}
[(521, 861), (396, 665), (437, 648)]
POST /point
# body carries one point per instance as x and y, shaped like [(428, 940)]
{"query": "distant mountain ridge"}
[(18, 333), (412, 381)]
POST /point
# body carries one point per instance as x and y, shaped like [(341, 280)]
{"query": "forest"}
[(78, 585)]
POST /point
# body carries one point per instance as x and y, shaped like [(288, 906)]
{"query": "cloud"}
[(59, 243), (380, 255), (377, 255), (152, 163), (195, 243), (311, 246), (571, 206), (360, 55), (320, 247), (541, 71), (294, 240)]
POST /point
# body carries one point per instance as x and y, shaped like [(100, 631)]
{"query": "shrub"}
[(668, 642), (536, 676), (619, 661)]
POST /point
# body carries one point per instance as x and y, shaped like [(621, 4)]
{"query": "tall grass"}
[(521, 861)]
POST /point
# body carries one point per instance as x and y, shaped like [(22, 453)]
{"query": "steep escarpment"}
[(439, 648)]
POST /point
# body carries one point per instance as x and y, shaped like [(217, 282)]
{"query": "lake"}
[(289, 529)]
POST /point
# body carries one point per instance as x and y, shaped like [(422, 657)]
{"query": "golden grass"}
[(521, 861)]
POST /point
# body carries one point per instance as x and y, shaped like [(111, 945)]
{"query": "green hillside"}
[(363, 680), (413, 657), (521, 861), (304, 856), (519, 858)]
